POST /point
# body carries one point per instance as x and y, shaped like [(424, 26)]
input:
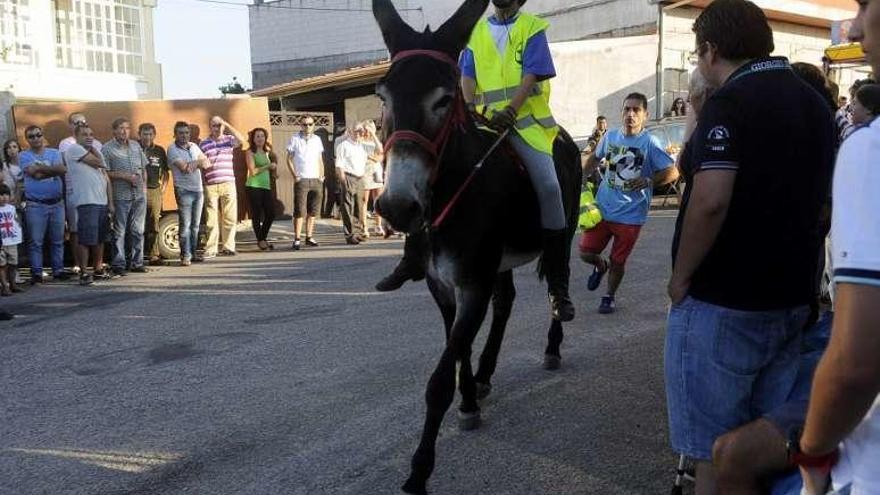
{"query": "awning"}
[(845, 53)]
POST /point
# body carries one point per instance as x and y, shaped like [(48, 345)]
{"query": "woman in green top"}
[(262, 165)]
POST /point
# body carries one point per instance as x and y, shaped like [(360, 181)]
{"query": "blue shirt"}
[(48, 189), (628, 157), (536, 58)]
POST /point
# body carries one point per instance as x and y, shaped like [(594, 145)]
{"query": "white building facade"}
[(78, 50)]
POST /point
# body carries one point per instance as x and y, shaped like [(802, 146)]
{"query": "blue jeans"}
[(40, 219), (128, 229), (189, 206), (725, 368)]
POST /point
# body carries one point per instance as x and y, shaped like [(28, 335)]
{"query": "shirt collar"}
[(494, 20), (764, 64)]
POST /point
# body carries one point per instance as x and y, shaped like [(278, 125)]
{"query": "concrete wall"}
[(363, 108), (45, 80), (595, 75)]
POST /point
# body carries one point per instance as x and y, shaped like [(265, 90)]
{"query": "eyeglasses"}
[(35, 136)]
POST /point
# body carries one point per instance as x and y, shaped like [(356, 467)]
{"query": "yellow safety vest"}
[(500, 75)]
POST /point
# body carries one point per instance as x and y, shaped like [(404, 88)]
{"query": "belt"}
[(355, 176), (44, 201)]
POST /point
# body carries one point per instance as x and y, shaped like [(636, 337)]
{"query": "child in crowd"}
[(10, 233), (866, 104)]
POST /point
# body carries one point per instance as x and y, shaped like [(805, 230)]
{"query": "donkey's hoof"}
[(468, 421), (483, 390), (552, 362), (414, 487)]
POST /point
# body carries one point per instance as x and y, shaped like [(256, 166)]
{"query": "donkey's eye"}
[(442, 103)]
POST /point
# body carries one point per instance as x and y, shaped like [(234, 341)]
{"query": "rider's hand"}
[(503, 119)]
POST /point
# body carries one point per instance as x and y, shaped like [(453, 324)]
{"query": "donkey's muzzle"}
[(403, 215)]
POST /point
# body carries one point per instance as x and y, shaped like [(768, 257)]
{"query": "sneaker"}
[(103, 275), (86, 279), (6, 315), (206, 256), (606, 306), (139, 269), (227, 252), (352, 240), (311, 242), (185, 262), (38, 279), (156, 261), (62, 276), (596, 277), (296, 245), (118, 272)]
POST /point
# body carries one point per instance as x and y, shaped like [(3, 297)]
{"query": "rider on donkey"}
[(505, 71)]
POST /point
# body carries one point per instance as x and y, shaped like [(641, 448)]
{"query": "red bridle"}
[(456, 116)]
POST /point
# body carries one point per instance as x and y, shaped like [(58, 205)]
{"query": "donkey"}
[(483, 223)]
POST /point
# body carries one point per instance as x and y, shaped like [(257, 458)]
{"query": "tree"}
[(234, 88)]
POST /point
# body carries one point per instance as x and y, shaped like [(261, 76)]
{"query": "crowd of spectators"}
[(95, 194)]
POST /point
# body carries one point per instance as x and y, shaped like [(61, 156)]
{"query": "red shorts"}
[(595, 240)]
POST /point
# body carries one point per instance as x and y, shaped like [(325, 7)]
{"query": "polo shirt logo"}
[(718, 133)]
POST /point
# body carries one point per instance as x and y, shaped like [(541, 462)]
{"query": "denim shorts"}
[(725, 368), (791, 416), (93, 225)]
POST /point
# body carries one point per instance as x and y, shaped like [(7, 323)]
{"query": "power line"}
[(275, 5)]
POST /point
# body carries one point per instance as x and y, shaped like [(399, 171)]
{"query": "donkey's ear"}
[(455, 33), (394, 29)]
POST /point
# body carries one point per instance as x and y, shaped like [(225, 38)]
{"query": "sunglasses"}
[(35, 136)]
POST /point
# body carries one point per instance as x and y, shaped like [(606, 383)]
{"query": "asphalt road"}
[(284, 373)]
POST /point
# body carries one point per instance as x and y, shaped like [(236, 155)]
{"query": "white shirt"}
[(306, 155), (88, 183), (63, 146), (856, 234), (351, 157), (10, 229)]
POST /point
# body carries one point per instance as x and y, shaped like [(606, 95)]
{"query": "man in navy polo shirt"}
[(747, 237), (44, 193)]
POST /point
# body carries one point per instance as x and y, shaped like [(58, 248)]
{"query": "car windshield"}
[(660, 134), (676, 133)]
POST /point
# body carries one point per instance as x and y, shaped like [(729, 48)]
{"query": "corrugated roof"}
[(364, 74)]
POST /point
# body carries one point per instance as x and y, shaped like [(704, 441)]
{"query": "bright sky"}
[(201, 46)]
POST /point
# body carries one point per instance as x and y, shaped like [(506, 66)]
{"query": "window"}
[(99, 35), (15, 36)]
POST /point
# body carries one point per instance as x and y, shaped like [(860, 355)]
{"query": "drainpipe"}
[(658, 100)]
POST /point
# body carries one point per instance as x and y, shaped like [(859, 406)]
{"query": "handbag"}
[(589, 215)]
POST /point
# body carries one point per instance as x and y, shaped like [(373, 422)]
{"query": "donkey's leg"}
[(445, 299), (471, 306), (502, 304), (552, 356)]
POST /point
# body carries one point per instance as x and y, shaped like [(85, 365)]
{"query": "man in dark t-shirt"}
[(157, 179), (744, 251)]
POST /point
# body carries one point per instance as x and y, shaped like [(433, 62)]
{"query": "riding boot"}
[(556, 256), (411, 266)]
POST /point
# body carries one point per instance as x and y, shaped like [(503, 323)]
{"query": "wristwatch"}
[(823, 463)]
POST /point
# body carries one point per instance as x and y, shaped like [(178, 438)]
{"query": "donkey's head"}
[(418, 95)]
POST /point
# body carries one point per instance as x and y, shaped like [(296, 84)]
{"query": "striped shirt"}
[(219, 153)]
